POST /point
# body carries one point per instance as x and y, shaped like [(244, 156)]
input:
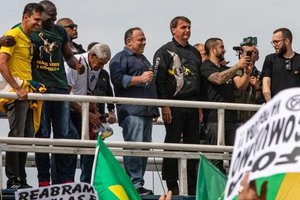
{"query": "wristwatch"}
[(112, 110)]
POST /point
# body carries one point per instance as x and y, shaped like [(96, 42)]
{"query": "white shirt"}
[(78, 82)]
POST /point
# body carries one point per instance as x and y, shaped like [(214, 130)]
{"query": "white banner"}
[(268, 143), (68, 191)]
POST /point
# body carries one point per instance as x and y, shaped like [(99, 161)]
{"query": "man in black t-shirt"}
[(281, 69), (219, 83)]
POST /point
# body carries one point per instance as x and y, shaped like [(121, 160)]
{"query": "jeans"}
[(136, 129), (20, 118), (57, 114), (86, 165)]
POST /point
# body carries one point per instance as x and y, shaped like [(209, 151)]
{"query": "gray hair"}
[(101, 51)]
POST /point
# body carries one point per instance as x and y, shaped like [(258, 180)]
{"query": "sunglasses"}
[(71, 26), (288, 65)]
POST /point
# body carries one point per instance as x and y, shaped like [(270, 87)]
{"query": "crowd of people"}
[(44, 51)]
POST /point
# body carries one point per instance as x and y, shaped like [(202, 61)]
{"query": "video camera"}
[(248, 41)]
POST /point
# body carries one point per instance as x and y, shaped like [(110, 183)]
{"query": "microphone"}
[(150, 68)]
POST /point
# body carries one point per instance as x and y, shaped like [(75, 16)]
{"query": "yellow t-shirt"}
[(20, 54)]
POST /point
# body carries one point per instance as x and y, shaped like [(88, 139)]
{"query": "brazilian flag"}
[(211, 181), (283, 186), (109, 178)]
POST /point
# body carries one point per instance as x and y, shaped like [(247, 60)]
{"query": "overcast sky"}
[(232, 20), (107, 20)]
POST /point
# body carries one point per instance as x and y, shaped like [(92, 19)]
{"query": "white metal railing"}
[(184, 151), (138, 101)]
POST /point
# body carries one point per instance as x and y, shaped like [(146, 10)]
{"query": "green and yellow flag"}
[(109, 178), (211, 181), (283, 186)]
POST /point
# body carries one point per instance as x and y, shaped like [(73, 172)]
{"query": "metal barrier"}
[(183, 151)]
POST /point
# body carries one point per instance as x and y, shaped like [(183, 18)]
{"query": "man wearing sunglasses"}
[(72, 30), (281, 69)]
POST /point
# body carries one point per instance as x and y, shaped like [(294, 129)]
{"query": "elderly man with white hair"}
[(82, 84)]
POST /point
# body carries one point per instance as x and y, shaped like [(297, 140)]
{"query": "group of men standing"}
[(177, 73)]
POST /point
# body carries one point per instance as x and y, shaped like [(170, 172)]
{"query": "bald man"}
[(72, 30)]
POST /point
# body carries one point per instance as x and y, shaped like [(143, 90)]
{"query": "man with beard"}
[(51, 46), (281, 69), (219, 82)]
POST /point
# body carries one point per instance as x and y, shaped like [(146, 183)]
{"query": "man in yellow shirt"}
[(15, 64)]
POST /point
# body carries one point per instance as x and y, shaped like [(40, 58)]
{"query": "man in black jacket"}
[(178, 77)]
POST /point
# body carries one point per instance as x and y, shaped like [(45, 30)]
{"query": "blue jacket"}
[(123, 66)]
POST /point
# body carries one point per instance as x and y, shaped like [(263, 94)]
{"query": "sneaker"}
[(144, 191), (14, 184), (25, 185)]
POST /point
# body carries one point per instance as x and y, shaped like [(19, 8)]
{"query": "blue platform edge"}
[(8, 194)]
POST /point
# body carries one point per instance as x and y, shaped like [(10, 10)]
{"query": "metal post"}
[(1, 172), (85, 121), (182, 172), (221, 127)]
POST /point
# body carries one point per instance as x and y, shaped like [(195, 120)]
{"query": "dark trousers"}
[(86, 161), (183, 129), (20, 118), (56, 116), (212, 137)]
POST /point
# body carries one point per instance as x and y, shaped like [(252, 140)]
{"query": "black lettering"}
[(92, 197), (264, 116), (232, 185), (297, 136), (261, 139), (55, 191), (275, 108), (289, 128), (245, 156), (88, 189), (290, 158), (23, 196), (81, 197), (260, 166), (276, 130), (44, 193), (265, 135), (76, 189), (66, 189), (235, 165), (71, 198), (34, 194)]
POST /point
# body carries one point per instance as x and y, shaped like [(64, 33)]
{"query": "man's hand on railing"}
[(166, 114)]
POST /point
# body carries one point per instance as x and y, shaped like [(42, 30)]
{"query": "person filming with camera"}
[(219, 84)]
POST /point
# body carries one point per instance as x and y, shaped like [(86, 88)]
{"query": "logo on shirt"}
[(92, 78), (47, 47)]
